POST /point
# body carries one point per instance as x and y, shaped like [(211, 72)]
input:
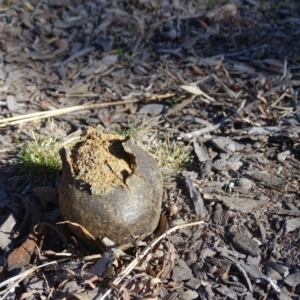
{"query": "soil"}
[(101, 161)]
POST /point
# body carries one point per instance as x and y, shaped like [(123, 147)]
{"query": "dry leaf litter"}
[(221, 79)]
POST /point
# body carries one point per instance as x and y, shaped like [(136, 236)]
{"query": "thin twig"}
[(180, 106), (36, 9), (238, 265), (229, 91), (18, 278), (147, 249)]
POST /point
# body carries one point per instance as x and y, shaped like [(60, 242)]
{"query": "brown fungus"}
[(110, 186)]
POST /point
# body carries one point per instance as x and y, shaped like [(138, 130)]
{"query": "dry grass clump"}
[(168, 152), (171, 154)]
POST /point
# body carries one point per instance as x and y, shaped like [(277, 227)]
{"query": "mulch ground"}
[(222, 80)]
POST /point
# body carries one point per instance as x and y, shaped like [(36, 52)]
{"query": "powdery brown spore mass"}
[(101, 161)]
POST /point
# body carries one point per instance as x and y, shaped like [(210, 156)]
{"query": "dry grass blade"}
[(61, 111), (147, 249)]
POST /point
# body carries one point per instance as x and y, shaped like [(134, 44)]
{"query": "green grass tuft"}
[(131, 131), (39, 159)]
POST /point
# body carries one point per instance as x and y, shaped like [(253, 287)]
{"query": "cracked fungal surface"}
[(101, 161)]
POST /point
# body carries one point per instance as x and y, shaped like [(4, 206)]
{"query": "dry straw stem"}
[(15, 280), (147, 249), (61, 111)]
